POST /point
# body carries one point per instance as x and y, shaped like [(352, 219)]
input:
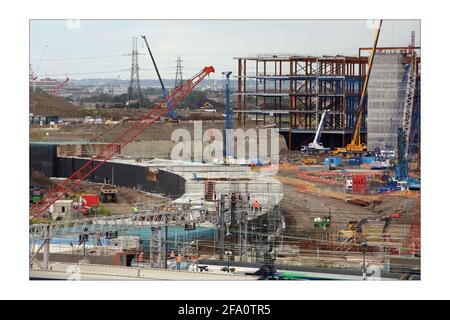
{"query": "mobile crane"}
[(316, 146), (152, 116), (356, 147), (171, 112)]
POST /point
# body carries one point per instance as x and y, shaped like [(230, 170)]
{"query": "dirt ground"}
[(300, 208), (126, 198)]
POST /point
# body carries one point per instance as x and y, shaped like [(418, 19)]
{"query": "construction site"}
[(293, 167)]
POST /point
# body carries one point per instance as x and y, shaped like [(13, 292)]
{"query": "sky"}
[(102, 48)]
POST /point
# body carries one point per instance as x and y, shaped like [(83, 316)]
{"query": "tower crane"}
[(171, 113), (33, 74), (356, 146), (111, 86), (177, 95), (316, 146), (409, 95)]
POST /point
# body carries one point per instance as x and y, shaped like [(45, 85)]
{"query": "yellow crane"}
[(356, 147)]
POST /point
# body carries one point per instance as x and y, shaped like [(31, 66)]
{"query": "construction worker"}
[(140, 257), (172, 255), (255, 205), (179, 260), (98, 236)]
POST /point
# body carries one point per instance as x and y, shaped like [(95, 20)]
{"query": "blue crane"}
[(401, 169)]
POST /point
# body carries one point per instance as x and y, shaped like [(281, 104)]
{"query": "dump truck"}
[(108, 193)]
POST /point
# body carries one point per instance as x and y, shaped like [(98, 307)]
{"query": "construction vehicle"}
[(316, 146), (309, 161), (108, 193), (402, 166), (129, 135), (401, 179), (322, 223), (207, 105), (355, 232), (356, 147)]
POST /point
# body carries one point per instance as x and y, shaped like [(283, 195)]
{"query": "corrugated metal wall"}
[(43, 158)]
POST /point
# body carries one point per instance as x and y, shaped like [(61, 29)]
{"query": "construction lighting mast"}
[(356, 146), (177, 95), (172, 113), (229, 118)]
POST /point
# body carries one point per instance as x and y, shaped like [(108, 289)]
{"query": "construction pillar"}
[(47, 235), (233, 227), (222, 227), (164, 247)]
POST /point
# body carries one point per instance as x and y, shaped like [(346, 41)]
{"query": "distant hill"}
[(42, 103)]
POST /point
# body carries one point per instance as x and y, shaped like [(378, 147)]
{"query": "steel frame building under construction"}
[(291, 92)]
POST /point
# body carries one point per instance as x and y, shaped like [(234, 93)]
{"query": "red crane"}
[(59, 87), (110, 150)]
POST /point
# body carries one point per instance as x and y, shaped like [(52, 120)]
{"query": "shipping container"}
[(89, 200), (354, 161), (368, 159), (336, 161)]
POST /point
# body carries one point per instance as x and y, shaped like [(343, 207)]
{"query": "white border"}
[(14, 160)]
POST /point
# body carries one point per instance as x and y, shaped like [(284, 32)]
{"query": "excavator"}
[(316, 146), (355, 228), (356, 147)]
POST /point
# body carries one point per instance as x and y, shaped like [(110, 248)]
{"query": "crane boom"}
[(154, 64), (320, 128), (59, 87), (355, 145), (111, 149), (316, 146), (356, 140), (172, 113)]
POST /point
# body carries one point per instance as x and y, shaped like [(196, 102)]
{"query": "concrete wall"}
[(383, 91), (162, 149)]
